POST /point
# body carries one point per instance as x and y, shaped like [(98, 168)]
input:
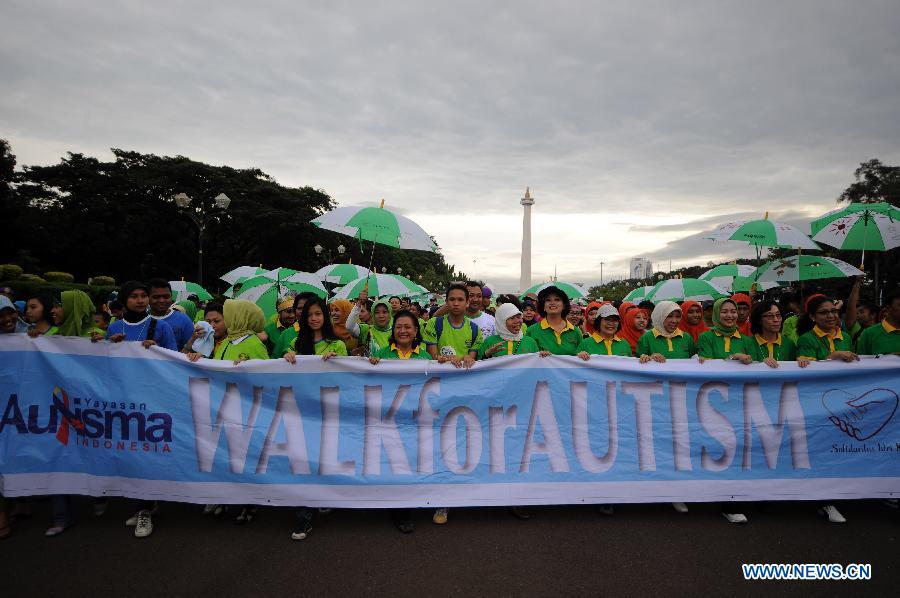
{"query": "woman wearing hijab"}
[(136, 323), (235, 325), (590, 315), (376, 334), (692, 322), (529, 313), (509, 339), (724, 340), (744, 303), (634, 325), (605, 341), (665, 340), (340, 310), (188, 308)]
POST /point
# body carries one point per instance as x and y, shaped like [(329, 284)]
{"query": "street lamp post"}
[(328, 256), (201, 217)]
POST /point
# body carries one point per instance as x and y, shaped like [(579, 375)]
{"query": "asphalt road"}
[(646, 550)]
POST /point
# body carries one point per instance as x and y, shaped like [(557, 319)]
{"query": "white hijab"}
[(659, 315), (503, 313)]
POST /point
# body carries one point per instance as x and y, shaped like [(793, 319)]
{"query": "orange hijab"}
[(693, 329), (628, 331), (340, 328), (623, 309), (588, 325), (742, 298)]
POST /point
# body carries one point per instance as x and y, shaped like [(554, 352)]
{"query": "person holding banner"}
[(820, 333), (692, 322), (604, 340), (554, 334), (284, 319), (768, 344), (316, 335), (454, 337), (634, 324), (39, 314), (136, 324), (509, 339), (376, 333), (405, 343), (289, 335), (724, 341), (665, 340)]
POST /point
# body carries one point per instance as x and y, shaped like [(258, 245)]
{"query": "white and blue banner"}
[(118, 419)]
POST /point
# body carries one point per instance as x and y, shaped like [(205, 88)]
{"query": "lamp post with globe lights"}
[(201, 217)]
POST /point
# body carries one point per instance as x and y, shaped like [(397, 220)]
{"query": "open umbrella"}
[(265, 292), (682, 289), (381, 285), (736, 278), (289, 275), (860, 226), (763, 233), (571, 289), (241, 272), (378, 225), (181, 289), (341, 273), (810, 268), (638, 294)]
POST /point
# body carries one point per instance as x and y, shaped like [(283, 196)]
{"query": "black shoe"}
[(520, 513), (245, 516), (406, 527)]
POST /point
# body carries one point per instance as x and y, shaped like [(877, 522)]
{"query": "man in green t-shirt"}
[(453, 337), (883, 338)]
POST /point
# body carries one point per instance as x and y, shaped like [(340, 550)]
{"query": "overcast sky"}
[(638, 125)]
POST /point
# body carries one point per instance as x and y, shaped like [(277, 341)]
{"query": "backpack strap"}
[(438, 328), (474, 327)]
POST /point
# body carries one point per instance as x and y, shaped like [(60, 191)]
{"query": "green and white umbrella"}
[(241, 272), (872, 226), (381, 285), (736, 278), (378, 225), (181, 289), (638, 294), (571, 289), (341, 273), (727, 271), (743, 284), (289, 275), (265, 292), (763, 233), (810, 268), (682, 289)]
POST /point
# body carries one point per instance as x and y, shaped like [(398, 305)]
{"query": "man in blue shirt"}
[(161, 309)]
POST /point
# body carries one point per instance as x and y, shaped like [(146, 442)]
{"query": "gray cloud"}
[(692, 111)]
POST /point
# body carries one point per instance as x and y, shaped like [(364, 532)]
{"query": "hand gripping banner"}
[(102, 419)]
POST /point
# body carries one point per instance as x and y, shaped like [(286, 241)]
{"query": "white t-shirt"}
[(486, 324)]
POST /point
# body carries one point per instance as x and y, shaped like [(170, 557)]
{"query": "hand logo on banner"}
[(864, 416)]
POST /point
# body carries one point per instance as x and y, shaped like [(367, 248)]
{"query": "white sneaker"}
[(833, 515), (735, 517), (680, 507), (440, 516), (144, 525), (133, 520)]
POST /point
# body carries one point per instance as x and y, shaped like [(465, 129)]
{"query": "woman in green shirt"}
[(316, 335), (235, 326), (603, 339), (39, 313), (509, 339), (768, 343), (376, 334), (723, 340), (554, 334), (820, 334), (665, 340)]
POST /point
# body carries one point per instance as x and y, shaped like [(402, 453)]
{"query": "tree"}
[(90, 217), (874, 182)]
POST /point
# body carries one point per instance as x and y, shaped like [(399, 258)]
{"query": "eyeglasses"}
[(772, 316), (828, 312)]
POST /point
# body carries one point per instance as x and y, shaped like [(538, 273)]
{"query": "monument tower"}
[(525, 276)]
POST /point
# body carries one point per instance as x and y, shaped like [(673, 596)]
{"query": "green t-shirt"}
[(249, 347), (392, 352), (325, 346), (789, 328), (285, 342), (594, 344), (879, 339), (680, 346), (564, 343), (712, 345), (526, 345), (374, 338), (453, 341), (815, 344), (52, 331), (783, 349)]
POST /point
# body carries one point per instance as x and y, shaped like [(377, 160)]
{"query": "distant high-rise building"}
[(641, 267)]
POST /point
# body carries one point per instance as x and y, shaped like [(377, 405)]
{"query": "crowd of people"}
[(471, 325)]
